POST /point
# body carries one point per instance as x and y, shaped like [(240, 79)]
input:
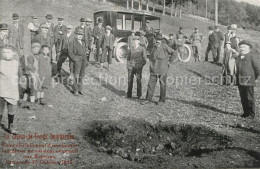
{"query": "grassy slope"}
[(211, 105)]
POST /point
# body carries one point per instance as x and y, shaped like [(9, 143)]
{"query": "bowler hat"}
[(49, 16), (245, 42), (44, 26), (15, 16), (60, 19), (79, 31), (108, 27), (100, 20), (82, 20), (88, 20), (34, 17), (4, 26)]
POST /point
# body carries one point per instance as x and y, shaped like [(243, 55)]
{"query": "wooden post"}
[(216, 12), (127, 4), (154, 3), (163, 7)]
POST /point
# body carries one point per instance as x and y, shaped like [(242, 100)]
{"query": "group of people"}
[(34, 71)]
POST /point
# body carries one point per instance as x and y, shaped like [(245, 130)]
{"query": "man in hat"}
[(212, 44), (59, 30), (161, 56), (130, 40), (107, 45), (77, 52), (136, 59), (196, 39), (220, 42), (4, 32), (98, 33), (248, 70), (171, 41), (44, 38), (228, 35), (16, 34), (34, 27), (143, 40), (63, 50), (49, 24)]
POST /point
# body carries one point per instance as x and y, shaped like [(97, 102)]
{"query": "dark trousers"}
[(213, 50), (57, 44), (79, 73), (107, 57), (247, 99), (138, 74), (218, 52), (62, 59), (98, 54), (151, 86)]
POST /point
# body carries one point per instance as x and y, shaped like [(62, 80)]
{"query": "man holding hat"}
[(16, 34), (107, 45), (49, 24), (212, 44), (161, 56), (63, 50), (136, 59), (196, 39), (228, 35), (4, 32), (98, 33), (59, 30), (34, 26), (248, 70), (77, 52)]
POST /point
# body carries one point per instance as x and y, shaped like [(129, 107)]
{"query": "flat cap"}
[(245, 42), (82, 20), (79, 31), (100, 20), (108, 27), (4, 26), (34, 17), (88, 20), (69, 26), (15, 16), (49, 16), (36, 44), (60, 19)]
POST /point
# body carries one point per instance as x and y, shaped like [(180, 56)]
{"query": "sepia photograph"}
[(129, 84)]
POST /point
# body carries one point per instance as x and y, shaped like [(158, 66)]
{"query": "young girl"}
[(44, 73), (9, 80), (229, 64)]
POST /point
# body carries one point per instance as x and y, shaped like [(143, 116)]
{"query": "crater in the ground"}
[(163, 143)]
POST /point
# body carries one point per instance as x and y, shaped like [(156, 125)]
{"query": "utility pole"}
[(216, 12), (207, 9)]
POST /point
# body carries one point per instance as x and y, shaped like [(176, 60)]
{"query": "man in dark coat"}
[(77, 53), (212, 44), (4, 31), (98, 33), (16, 34), (220, 42), (161, 56), (171, 41), (248, 70), (63, 50), (107, 45), (135, 62), (49, 24), (58, 31)]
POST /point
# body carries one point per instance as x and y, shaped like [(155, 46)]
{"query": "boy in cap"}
[(63, 50), (107, 46), (161, 56), (196, 39), (212, 44), (59, 30), (34, 27), (136, 59), (228, 35), (248, 70), (49, 24), (4, 32), (98, 33), (16, 34), (77, 52), (9, 93)]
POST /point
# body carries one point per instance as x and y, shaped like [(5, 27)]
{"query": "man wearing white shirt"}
[(34, 26)]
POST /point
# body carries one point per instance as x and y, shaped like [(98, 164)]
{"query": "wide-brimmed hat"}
[(108, 27), (79, 31), (88, 20), (82, 20), (60, 19), (49, 16), (4, 26), (15, 16), (245, 42)]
